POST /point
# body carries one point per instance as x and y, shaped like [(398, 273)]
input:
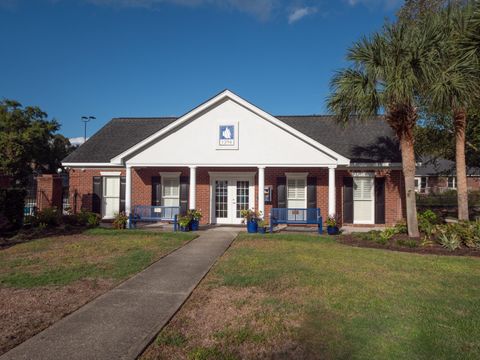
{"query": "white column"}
[(261, 187), (331, 191), (128, 190), (193, 187)]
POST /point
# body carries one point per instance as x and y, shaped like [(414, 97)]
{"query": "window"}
[(170, 189), (297, 190), (423, 183), (452, 182), (363, 199)]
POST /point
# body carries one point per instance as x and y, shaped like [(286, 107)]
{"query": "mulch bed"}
[(434, 248), (28, 234)]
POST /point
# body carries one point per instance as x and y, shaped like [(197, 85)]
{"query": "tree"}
[(455, 87), (387, 73), (27, 141)]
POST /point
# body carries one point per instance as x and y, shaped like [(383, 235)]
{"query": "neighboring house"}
[(436, 175), (216, 157)]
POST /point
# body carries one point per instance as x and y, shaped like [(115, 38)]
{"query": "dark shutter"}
[(123, 183), (379, 200), (97, 195), (348, 200), (312, 192), (184, 187), (282, 192), (156, 191)]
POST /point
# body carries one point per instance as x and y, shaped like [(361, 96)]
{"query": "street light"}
[(85, 120)]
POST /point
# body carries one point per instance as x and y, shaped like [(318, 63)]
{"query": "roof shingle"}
[(369, 141)]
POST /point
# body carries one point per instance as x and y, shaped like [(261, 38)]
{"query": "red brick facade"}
[(49, 191), (81, 188)]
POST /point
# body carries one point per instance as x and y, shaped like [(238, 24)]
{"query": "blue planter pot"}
[(332, 230), (262, 230), (184, 228), (252, 226), (194, 224)]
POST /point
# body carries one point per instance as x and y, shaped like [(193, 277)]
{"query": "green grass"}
[(354, 303), (97, 253)]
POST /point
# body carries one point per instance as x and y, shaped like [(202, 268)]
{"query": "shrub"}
[(386, 235), (11, 209), (120, 221), (407, 243), (401, 228), (449, 240), (90, 219), (71, 220), (48, 216)]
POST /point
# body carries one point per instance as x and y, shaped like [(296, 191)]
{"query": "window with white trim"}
[(452, 182), (170, 189), (297, 191), (363, 199)]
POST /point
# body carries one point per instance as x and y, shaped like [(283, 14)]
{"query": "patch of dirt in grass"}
[(26, 312), (393, 244), (232, 323)]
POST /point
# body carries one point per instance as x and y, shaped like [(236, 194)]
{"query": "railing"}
[(154, 213), (296, 216)]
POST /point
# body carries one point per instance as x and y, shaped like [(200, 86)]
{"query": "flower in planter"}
[(331, 221), (250, 215), (195, 214), (184, 221)]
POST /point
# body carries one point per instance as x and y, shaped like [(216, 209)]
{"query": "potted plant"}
[(332, 227), (184, 223), (251, 217), (195, 216), (262, 226)]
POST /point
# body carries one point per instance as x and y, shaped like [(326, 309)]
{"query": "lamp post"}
[(85, 120)]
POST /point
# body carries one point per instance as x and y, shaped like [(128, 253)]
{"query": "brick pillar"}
[(49, 191)]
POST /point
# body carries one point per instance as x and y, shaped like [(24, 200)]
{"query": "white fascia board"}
[(374, 165), (89, 165), (340, 160), (253, 165)]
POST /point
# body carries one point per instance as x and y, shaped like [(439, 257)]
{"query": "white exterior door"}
[(231, 195), (363, 200), (111, 197)]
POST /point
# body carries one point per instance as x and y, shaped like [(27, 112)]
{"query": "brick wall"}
[(81, 187), (49, 191)]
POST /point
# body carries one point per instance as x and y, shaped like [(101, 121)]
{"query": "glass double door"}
[(231, 196)]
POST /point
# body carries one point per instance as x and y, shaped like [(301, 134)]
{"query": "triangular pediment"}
[(227, 130)]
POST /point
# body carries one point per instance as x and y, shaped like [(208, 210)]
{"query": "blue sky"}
[(112, 58)]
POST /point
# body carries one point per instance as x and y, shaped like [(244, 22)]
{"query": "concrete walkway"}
[(122, 322)]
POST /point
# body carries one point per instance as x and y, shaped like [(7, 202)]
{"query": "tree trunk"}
[(460, 122), (408, 164), (403, 118)]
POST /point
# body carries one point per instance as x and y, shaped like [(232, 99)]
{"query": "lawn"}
[(43, 280), (302, 296)]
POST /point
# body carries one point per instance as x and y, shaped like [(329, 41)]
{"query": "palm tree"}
[(455, 87), (388, 71)]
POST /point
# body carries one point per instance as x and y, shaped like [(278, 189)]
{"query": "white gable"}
[(256, 138)]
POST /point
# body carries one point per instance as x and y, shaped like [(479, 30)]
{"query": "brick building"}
[(227, 155), (436, 175)]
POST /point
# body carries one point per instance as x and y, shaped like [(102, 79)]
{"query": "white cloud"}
[(299, 13), (77, 140), (386, 4)]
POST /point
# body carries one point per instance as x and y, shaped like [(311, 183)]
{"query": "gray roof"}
[(370, 141), (359, 141), (432, 166), (115, 137)]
